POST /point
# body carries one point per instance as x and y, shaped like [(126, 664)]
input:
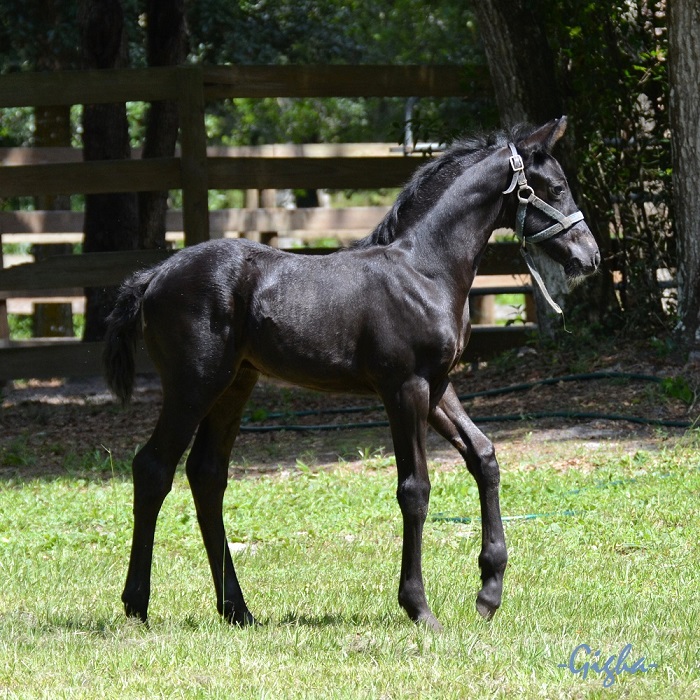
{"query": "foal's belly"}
[(335, 384), (320, 358)]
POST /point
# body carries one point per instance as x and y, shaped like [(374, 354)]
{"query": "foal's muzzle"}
[(582, 257)]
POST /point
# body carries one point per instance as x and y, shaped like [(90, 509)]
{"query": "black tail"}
[(123, 330)]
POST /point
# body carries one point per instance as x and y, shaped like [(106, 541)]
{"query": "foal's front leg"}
[(451, 421), (408, 410)]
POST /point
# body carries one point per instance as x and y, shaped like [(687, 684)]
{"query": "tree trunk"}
[(166, 33), (524, 79), (111, 221), (684, 68), (520, 61)]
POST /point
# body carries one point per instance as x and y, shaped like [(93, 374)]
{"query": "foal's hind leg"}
[(153, 470), (452, 422), (207, 471)]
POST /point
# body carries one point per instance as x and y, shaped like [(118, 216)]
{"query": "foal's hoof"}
[(430, 621), (135, 613), (247, 620), (243, 619), (485, 609)]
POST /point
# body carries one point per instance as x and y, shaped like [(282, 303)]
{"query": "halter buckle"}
[(518, 168), (516, 162)]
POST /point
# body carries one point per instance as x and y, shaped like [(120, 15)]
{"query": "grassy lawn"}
[(610, 557)]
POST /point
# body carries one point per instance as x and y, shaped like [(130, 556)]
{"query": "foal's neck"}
[(452, 236)]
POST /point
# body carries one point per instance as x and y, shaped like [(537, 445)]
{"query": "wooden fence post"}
[(193, 159), (268, 200)]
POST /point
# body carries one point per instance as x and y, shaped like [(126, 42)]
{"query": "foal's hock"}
[(388, 317)]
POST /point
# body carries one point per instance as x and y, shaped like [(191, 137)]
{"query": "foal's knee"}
[(484, 465), (413, 495)]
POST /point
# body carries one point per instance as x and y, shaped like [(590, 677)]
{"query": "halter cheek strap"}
[(527, 196)]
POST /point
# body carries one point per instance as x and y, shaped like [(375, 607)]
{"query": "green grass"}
[(321, 574)]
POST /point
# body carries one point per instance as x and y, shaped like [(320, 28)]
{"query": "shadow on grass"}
[(19, 465), (331, 620), (107, 626)]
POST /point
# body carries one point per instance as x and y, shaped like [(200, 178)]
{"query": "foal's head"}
[(562, 234)]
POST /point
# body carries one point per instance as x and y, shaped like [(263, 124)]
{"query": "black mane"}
[(434, 176)]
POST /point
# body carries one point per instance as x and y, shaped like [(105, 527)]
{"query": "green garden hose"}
[(535, 415)]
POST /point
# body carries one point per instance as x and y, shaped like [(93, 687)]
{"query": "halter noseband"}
[(526, 195)]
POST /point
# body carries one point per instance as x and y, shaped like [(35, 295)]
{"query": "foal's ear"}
[(546, 136)]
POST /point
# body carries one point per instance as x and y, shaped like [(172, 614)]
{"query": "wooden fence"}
[(195, 170)]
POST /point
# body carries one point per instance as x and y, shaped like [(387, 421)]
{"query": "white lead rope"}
[(539, 281)]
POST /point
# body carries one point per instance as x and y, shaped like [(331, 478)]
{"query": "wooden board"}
[(331, 173), (223, 173), (91, 177), (193, 160), (40, 226), (221, 82), (315, 219), (89, 86), (38, 156), (86, 270), (344, 81)]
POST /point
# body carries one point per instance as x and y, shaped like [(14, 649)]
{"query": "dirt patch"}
[(49, 428)]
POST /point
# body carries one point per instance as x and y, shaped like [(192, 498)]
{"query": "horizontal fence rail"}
[(344, 81)]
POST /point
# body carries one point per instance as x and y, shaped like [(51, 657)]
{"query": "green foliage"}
[(678, 388), (38, 34), (613, 62), (16, 126), (332, 32), (22, 326)]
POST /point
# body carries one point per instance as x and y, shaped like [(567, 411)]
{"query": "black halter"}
[(526, 195)]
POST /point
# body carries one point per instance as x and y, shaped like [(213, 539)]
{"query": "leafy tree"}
[(613, 72), (335, 32), (28, 32)]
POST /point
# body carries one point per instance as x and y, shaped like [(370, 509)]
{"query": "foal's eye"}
[(556, 190)]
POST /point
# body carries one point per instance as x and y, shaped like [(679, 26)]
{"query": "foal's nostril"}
[(596, 259)]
